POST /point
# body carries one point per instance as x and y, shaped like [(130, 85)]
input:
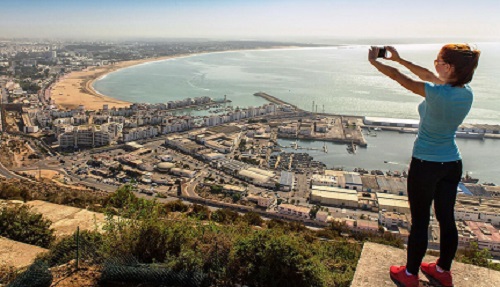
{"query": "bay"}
[(338, 79)]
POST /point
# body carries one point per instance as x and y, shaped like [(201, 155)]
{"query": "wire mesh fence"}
[(37, 275), (73, 254)]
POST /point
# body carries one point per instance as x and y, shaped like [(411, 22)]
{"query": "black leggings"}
[(428, 181)]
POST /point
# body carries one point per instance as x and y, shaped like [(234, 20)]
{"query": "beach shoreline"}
[(77, 88)]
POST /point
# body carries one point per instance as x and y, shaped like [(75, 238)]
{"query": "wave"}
[(196, 87)]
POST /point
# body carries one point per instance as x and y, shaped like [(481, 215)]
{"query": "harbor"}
[(391, 151)]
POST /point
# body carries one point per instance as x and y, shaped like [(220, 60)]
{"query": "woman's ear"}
[(450, 70)]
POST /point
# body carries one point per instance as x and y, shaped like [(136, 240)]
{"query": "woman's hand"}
[(394, 54), (373, 54)]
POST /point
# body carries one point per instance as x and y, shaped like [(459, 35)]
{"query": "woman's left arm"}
[(408, 83)]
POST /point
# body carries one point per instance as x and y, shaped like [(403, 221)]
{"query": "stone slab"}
[(376, 259), (65, 219), (17, 254)]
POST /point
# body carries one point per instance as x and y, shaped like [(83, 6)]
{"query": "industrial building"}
[(334, 196), (393, 203), (287, 180), (325, 180)]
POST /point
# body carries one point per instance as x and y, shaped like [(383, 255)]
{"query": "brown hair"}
[(464, 59)]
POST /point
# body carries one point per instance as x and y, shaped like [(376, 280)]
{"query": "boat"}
[(351, 148), (469, 179), (407, 131), (470, 135)]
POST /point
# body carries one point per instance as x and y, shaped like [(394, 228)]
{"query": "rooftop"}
[(484, 231), (335, 195)]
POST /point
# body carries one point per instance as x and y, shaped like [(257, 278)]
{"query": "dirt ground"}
[(68, 276), (15, 153), (54, 176)]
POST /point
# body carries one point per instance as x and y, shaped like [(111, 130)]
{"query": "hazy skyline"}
[(258, 19)]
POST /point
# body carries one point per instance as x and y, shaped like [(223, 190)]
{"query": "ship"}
[(470, 135), (407, 131), (469, 179), (351, 148)]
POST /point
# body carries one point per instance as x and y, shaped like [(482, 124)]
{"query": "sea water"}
[(338, 79)]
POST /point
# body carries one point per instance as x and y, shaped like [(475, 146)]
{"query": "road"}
[(5, 172), (3, 96)]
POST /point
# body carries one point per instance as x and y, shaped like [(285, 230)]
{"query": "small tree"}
[(21, 224), (236, 196), (474, 255), (200, 211), (224, 215), (215, 188), (252, 218)]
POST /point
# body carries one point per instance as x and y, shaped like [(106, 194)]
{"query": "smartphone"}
[(382, 52)]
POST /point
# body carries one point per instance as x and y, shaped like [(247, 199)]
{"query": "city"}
[(203, 184)]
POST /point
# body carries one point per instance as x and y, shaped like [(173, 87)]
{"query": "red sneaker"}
[(436, 277), (399, 277)]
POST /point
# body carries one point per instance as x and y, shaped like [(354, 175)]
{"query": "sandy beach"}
[(76, 88)]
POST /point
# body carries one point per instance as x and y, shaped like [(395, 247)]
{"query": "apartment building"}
[(84, 136), (139, 133)]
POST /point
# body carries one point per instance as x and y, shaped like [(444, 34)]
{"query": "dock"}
[(275, 100)]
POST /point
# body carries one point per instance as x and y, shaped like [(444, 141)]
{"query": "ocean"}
[(338, 79)]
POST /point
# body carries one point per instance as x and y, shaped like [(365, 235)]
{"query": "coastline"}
[(77, 88)]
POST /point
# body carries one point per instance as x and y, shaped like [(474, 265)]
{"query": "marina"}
[(392, 151)]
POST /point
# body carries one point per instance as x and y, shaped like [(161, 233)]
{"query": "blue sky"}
[(256, 19)]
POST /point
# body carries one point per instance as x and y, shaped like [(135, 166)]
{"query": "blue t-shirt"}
[(442, 111)]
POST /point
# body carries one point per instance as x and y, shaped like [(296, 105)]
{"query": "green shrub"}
[(252, 218), (225, 215), (176, 206), (64, 249), (23, 225), (200, 212), (268, 258), (475, 256)]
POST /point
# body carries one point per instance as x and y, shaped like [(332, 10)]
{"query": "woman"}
[(436, 165)]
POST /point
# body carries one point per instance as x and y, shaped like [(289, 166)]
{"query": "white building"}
[(213, 156), (84, 136), (183, 172), (324, 180), (294, 210), (139, 133), (394, 219)]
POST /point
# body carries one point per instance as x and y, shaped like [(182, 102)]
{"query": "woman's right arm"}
[(421, 72), (416, 87)]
